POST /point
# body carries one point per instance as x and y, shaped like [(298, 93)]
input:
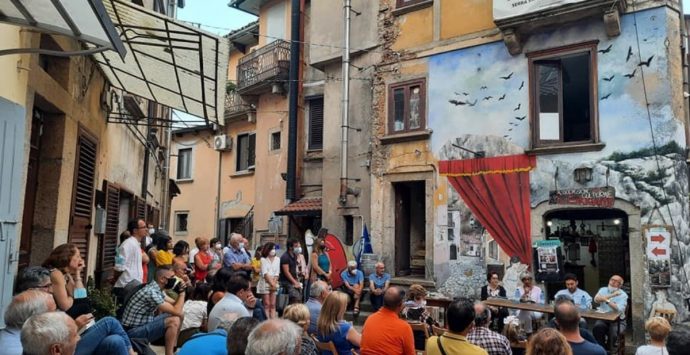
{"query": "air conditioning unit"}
[(222, 142)]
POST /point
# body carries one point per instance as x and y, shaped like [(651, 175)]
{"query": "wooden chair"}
[(420, 327), (438, 331), (328, 346)]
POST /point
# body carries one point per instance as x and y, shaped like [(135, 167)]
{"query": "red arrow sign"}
[(656, 251), (657, 238)]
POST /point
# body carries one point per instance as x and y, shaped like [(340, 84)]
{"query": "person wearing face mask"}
[(268, 283), (237, 294), (140, 319), (289, 280), (235, 257), (320, 261), (353, 284), (414, 310), (610, 299)]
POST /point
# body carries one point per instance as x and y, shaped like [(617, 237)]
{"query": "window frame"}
[(271, 147), (312, 146), (189, 164), (555, 54), (401, 4), (177, 223), (406, 85), (250, 167)]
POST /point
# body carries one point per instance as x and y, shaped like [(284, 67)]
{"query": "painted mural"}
[(479, 101)]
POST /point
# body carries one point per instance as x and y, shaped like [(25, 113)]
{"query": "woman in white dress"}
[(268, 283)]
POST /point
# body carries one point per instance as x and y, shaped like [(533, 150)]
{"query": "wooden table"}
[(535, 307)]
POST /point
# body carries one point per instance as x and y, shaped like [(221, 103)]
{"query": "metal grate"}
[(271, 62)]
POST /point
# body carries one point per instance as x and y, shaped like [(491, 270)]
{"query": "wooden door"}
[(83, 192), (30, 192)]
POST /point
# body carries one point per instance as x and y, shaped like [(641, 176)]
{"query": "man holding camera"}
[(139, 319)]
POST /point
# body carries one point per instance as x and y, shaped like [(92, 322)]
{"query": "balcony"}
[(519, 19), (236, 108), (264, 70)]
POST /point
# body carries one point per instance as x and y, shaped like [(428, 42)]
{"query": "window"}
[(181, 219), (184, 164), (404, 3), (407, 106), (246, 144), (315, 124), (275, 141), (493, 250), (275, 22), (563, 83)]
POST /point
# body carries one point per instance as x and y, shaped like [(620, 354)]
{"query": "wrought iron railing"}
[(268, 63), (235, 105)]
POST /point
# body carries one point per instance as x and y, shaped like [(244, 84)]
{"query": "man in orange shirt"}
[(384, 332)]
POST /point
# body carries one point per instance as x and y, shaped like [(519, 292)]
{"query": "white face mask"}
[(613, 289), (272, 252), (298, 250), (151, 231), (218, 245), (353, 272), (241, 246)]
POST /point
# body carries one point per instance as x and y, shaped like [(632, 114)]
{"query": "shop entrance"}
[(595, 245)]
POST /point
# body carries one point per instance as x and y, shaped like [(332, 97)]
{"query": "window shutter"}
[(316, 123), (112, 222), (252, 150), (82, 200)]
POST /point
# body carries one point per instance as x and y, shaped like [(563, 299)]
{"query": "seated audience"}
[(218, 287), (353, 284), (150, 315), (299, 313), (460, 322), (584, 332), (194, 310), (568, 321), (378, 284), (24, 305), (485, 338), (317, 294), (548, 341), (331, 325), (581, 298), (414, 310), (384, 332), (678, 341), (528, 293), (34, 278), (658, 329), (181, 262), (611, 299), (494, 290), (236, 294), (49, 333), (274, 336), (237, 343), (511, 330), (212, 343), (164, 246)]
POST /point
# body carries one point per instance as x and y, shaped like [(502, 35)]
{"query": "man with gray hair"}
[(353, 284), (49, 333), (379, 282), (34, 277), (275, 336), (485, 338), (317, 294), (22, 307)]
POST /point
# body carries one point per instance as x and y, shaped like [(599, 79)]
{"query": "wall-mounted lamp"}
[(582, 175), (549, 223), (617, 221)]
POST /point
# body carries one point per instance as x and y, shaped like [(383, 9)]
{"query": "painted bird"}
[(605, 96), (646, 64), (609, 78), (521, 85), (627, 58), (631, 75), (520, 118), (502, 97), (507, 76), (457, 102), (518, 107), (604, 51)]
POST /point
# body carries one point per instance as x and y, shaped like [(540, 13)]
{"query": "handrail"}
[(263, 64)]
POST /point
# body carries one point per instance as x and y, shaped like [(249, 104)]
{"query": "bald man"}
[(384, 332), (378, 284)]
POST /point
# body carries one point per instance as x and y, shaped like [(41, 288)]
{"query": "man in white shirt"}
[(238, 293), (580, 297), (130, 250)]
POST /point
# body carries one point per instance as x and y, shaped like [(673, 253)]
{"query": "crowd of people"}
[(224, 300)]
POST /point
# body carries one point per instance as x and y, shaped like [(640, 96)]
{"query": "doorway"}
[(410, 228), (30, 191), (595, 244)]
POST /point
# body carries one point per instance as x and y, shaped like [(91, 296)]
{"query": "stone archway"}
[(636, 250)]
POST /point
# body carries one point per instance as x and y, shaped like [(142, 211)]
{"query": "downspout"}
[(220, 165), (290, 190), (344, 127), (165, 210)]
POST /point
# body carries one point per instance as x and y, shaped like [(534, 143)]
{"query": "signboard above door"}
[(512, 8), (596, 196)]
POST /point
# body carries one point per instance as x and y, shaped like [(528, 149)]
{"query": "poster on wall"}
[(548, 260), (658, 241), (512, 8)]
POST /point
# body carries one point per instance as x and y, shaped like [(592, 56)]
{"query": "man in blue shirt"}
[(235, 257), (611, 299), (580, 297), (568, 319), (378, 284), (353, 284), (317, 295)]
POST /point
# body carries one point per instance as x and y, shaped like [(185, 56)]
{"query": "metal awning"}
[(168, 62), (84, 20)]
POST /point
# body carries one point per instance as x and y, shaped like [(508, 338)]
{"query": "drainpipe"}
[(290, 190), (165, 208), (344, 127), (220, 165)]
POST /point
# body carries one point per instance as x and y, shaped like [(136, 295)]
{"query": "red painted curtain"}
[(497, 190)]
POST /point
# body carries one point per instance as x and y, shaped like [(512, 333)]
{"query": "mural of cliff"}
[(479, 100)]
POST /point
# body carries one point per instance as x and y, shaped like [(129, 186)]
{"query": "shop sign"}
[(597, 197), (658, 240), (512, 8)]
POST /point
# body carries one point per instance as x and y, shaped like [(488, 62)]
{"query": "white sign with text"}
[(504, 9)]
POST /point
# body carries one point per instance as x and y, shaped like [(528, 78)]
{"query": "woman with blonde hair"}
[(299, 313), (658, 329), (548, 341), (331, 325)]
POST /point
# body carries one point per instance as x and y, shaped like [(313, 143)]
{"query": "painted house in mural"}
[(562, 121)]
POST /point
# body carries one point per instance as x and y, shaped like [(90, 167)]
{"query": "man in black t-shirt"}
[(288, 271)]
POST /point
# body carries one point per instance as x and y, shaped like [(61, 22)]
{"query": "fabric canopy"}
[(497, 191)]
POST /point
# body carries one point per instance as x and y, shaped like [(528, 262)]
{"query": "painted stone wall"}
[(478, 99)]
